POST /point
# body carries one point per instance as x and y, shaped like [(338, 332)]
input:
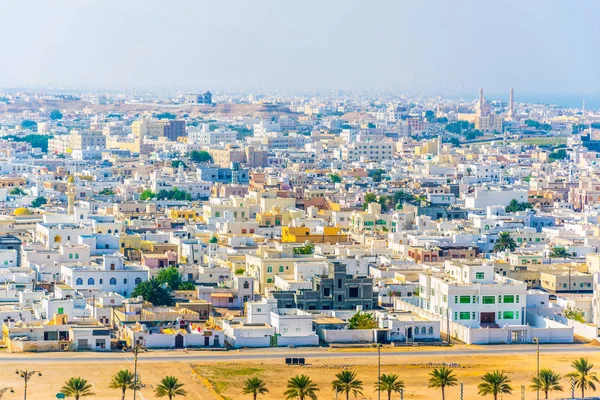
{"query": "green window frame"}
[(488, 300), (281, 268), (517, 299), (269, 269), (465, 315), (465, 299), (508, 315), (444, 298), (60, 310), (479, 275), (509, 298), (455, 299)]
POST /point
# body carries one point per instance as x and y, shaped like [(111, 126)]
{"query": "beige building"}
[(83, 139)]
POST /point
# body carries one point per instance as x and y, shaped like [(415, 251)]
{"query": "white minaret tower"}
[(511, 103)]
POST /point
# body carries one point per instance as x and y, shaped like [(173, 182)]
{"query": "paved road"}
[(279, 354)]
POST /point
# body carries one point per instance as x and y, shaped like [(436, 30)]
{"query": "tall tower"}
[(480, 95), (71, 195), (511, 103)]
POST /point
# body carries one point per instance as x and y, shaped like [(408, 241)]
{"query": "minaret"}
[(71, 195), (583, 108), (511, 103), (481, 95)]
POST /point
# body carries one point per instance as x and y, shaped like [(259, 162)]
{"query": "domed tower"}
[(71, 195), (483, 106)]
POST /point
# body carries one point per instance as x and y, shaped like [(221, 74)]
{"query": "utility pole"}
[(136, 350), (27, 375), (537, 343), (378, 370)]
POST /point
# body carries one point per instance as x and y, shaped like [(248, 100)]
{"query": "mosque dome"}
[(483, 106)]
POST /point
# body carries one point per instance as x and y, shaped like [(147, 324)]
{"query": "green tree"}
[(548, 381), (377, 175), (505, 242), (442, 377), (583, 375), (362, 320), (369, 198), (200, 156), (574, 314), (154, 292), (123, 380), (429, 116), (308, 248), (454, 142), (17, 192), (147, 195), (56, 114), (494, 383), (169, 276), (335, 178), (255, 386), (515, 206), (36, 141), (29, 124), (107, 192), (177, 163), (557, 155), (401, 197), (347, 383), (165, 115), (77, 388), (187, 286), (390, 384), (38, 202), (301, 387), (170, 387), (559, 252)]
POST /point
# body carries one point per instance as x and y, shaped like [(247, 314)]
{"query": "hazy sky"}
[(443, 46)]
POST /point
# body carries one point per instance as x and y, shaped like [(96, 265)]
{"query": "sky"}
[(539, 47)]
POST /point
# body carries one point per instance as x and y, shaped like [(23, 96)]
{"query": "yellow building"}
[(186, 214), (302, 234)]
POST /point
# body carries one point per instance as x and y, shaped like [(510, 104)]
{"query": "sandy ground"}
[(204, 380)]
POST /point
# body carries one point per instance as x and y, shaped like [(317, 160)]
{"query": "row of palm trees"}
[(495, 383), (123, 380)]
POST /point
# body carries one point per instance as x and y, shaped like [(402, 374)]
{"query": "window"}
[(423, 331), (269, 269), (517, 298), (113, 281), (509, 298), (77, 256), (70, 256), (465, 299), (499, 298), (269, 280), (353, 292), (444, 298), (281, 268), (508, 315), (125, 281), (91, 281), (79, 282), (488, 300), (465, 315), (479, 275), (138, 281), (60, 310), (431, 330)]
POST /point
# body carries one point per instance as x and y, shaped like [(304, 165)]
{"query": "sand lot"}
[(223, 380)]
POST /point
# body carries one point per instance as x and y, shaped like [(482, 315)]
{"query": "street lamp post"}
[(378, 370), (136, 350), (4, 390), (26, 375), (537, 343)]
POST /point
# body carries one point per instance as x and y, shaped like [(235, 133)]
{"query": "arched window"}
[(113, 281), (217, 214), (269, 280), (281, 268), (116, 231), (431, 330), (269, 269), (57, 239), (487, 227), (70, 256), (138, 281), (77, 256), (109, 231), (246, 285), (81, 216), (90, 281), (79, 282), (423, 330), (125, 281)]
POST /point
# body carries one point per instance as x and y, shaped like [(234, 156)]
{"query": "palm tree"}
[(255, 386), (548, 381), (559, 252), (441, 378), (505, 242), (170, 387), (301, 387), (494, 383), (124, 379), (77, 387), (583, 377), (346, 382), (390, 384)]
